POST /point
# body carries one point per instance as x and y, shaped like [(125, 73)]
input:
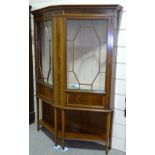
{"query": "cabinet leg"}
[(108, 122), (63, 129), (42, 109), (56, 127), (106, 151), (110, 135), (37, 107)]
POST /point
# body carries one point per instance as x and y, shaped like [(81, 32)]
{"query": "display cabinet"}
[(75, 50)]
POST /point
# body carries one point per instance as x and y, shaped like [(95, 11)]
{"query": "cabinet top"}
[(110, 7)]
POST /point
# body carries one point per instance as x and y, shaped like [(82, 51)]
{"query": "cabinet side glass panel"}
[(86, 54), (45, 60)]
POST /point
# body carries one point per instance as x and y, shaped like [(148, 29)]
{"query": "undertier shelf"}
[(85, 137), (73, 135), (46, 125)]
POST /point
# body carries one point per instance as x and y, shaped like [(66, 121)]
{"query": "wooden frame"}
[(75, 112)]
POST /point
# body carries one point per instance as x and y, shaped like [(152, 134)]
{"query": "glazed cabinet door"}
[(44, 59), (88, 43)]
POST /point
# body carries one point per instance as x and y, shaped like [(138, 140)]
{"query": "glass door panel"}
[(86, 54), (45, 63)]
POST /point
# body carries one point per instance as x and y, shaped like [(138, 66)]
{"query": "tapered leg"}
[(107, 132), (42, 109), (110, 135), (63, 128), (37, 107), (56, 126)]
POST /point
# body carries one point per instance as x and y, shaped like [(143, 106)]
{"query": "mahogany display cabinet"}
[(75, 51)]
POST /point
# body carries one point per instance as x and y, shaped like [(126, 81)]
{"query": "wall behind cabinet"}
[(119, 123)]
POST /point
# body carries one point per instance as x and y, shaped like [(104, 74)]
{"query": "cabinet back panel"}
[(85, 122)]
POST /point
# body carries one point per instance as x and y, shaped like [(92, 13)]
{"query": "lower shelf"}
[(46, 125), (84, 137), (73, 135)]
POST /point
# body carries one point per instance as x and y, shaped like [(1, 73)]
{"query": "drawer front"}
[(86, 100)]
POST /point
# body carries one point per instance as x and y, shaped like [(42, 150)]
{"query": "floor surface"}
[(41, 144)]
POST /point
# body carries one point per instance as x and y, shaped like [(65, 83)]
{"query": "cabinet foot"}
[(55, 128), (56, 146), (64, 149), (38, 128), (63, 129), (106, 152), (37, 107)]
